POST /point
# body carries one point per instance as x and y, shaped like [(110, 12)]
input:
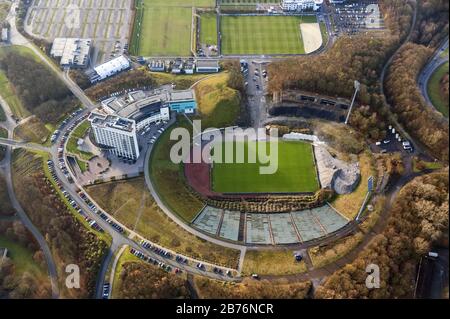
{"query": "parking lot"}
[(357, 17), (107, 22), (393, 142)]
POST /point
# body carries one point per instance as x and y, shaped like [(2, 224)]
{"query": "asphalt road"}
[(5, 167), (435, 62)]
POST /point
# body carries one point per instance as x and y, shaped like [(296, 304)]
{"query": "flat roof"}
[(181, 95), (207, 63), (71, 50), (112, 66), (112, 121)]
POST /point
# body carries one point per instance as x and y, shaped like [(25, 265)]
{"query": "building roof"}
[(113, 66), (112, 121), (207, 63), (181, 95), (72, 51)]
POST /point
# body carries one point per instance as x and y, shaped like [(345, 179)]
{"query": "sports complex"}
[(180, 28)]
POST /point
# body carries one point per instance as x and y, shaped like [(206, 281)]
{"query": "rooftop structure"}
[(111, 68), (301, 5), (74, 52), (207, 66), (116, 134)]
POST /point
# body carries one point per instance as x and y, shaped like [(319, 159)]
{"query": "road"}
[(435, 62), (5, 168)]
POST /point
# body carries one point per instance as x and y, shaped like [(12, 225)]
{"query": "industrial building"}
[(111, 68), (116, 135), (207, 66), (301, 5), (72, 52)]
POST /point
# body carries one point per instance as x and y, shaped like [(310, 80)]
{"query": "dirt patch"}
[(312, 36)]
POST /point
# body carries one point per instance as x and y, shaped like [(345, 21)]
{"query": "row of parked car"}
[(99, 212), (153, 261), (55, 134), (92, 223)]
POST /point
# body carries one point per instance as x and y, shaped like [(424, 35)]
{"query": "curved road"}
[(435, 62), (5, 166)]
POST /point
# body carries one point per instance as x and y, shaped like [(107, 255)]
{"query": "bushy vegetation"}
[(143, 281), (40, 91), (69, 241), (6, 208), (419, 218), (23, 273), (408, 103), (251, 289)]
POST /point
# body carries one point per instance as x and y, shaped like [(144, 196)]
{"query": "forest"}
[(361, 58), (69, 241), (41, 91), (143, 281), (17, 279), (408, 104), (418, 219)]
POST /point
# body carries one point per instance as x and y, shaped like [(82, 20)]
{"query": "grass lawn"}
[(168, 178), (218, 104), (349, 204), (124, 258), (72, 144), (322, 256), (6, 89), (180, 3), (23, 259), (208, 28), (296, 172), (131, 203), (434, 89), (33, 130), (164, 31), (263, 34), (271, 262), (181, 81)]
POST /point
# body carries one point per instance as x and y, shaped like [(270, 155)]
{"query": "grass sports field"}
[(208, 28), (263, 34), (163, 27), (296, 172)]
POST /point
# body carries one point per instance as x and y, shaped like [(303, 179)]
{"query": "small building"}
[(73, 52), (5, 35), (301, 5), (189, 67), (157, 66), (207, 66), (111, 68), (177, 66), (182, 101)]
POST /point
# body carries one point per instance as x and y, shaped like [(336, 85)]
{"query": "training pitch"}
[(296, 172), (263, 34)]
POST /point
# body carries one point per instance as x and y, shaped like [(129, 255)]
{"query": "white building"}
[(74, 52), (116, 134), (111, 68), (301, 5), (138, 106)]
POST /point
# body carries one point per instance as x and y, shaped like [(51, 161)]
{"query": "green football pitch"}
[(296, 172), (263, 34)]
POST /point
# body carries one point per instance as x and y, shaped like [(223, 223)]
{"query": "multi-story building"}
[(301, 5), (182, 101), (115, 134)]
